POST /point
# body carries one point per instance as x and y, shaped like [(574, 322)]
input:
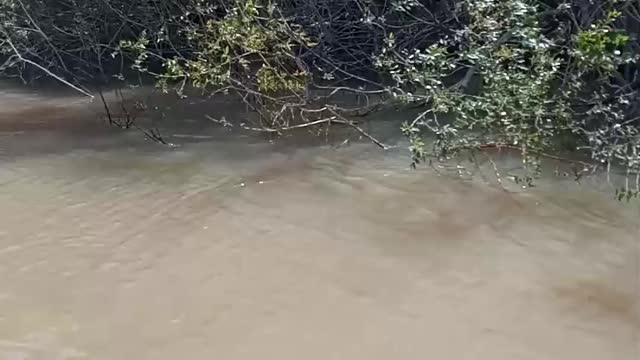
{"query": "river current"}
[(232, 245)]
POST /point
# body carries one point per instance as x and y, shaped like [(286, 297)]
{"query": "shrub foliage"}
[(539, 76)]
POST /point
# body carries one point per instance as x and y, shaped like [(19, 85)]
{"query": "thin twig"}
[(106, 107), (360, 130), (19, 56), (300, 126)]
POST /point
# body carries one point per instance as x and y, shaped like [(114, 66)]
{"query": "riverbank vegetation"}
[(543, 77)]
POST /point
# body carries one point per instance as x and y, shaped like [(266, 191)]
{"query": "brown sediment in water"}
[(236, 249), (594, 298)]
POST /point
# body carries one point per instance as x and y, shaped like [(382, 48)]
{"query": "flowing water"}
[(233, 246)]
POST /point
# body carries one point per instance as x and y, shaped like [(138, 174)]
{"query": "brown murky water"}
[(232, 247)]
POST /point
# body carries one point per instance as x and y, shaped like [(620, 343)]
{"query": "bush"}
[(531, 75), (536, 86)]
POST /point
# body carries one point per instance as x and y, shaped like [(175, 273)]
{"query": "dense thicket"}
[(525, 74)]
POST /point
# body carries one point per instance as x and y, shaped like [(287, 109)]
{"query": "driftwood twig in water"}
[(329, 120), (293, 127)]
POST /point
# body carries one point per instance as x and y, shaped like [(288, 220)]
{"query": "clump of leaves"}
[(501, 80), (610, 123), (250, 49), (625, 193), (601, 47), (503, 47)]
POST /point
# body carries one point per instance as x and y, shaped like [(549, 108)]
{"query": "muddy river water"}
[(236, 247)]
